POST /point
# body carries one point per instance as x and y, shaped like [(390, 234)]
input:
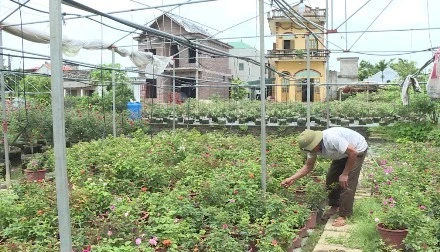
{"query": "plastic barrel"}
[(135, 109)]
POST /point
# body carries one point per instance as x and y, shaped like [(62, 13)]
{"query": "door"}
[(304, 90)]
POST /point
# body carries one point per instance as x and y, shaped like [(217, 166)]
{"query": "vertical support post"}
[(59, 132), (197, 74), (327, 71), (308, 79), (263, 97), (4, 117), (174, 95), (114, 92)]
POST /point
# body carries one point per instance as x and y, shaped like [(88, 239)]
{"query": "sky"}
[(223, 18)]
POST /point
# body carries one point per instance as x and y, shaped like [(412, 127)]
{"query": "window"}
[(153, 51), (288, 44), (151, 88), (192, 55), (241, 66), (313, 44), (285, 82)]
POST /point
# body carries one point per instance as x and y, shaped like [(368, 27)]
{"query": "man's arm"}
[(306, 169), (351, 159)]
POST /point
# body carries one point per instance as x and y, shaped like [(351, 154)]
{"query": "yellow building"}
[(288, 55)]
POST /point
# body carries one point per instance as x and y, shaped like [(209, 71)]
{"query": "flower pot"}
[(302, 232), (221, 121), (282, 122), (311, 222), (296, 243), (189, 121), (392, 238), (301, 121), (35, 175), (345, 123)]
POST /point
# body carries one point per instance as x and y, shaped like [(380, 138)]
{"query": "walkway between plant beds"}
[(330, 232)]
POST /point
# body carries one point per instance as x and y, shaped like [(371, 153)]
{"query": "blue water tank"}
[(135, 109)]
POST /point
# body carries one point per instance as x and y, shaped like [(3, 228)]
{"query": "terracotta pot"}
[(311, 222), (35, 175), (302, 232), (296, 243), (392, 238)]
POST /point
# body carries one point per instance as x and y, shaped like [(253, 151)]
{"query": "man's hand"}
[(287, 182), (343, 181)]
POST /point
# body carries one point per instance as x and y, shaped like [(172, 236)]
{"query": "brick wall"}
[(210, 68)]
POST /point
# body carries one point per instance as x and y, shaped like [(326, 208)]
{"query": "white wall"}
[(250, 71)]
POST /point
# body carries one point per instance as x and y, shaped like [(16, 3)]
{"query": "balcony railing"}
[(298, 54), (309, 13)]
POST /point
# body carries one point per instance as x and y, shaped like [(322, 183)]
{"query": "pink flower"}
[(152, 241), (383, 162), (109, 233), (112, 207), (225, 226), (138, 241), (422, 207), (388, 170)]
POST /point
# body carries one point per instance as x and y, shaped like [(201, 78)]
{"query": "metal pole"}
[(4, 117), (332, 13), (197, 74), (308, 79), (346, 34), (174, 95), (114, 92), (59, 132), (263, 97), (327, 72)]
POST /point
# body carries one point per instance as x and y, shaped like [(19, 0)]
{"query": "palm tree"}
[(381, 66)]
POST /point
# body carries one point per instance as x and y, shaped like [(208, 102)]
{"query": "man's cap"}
[(309, 139)]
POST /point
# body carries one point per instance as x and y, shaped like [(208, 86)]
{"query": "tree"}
[(405, 67), (122, 92), (381, 66), (38, 86), (104, 75), (366, 69), (237, 92)]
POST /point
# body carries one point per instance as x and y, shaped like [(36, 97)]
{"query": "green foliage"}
[(186, 190), (405, 67), (36, 84), (238, 92), (409, 131), (103, 75), (123, 93), (366, 69)]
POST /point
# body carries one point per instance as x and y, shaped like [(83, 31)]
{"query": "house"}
[(388, 75), (193, 68), (244, 70), (288, 55), (240, 68), (76, 82)]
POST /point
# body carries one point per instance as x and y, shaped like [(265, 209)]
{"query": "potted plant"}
[(399, 213), (36, 167)]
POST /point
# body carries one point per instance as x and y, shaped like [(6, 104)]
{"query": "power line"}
[(371, 24), (115, 12)]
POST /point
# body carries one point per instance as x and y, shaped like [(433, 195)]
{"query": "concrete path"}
[(331, 233)]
